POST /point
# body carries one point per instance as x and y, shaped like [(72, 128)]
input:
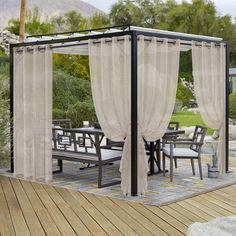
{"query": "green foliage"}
[(72, 98), (185, 65), (98, 20), (4, 111), (184, 94), (186, 75), (81, 111), (188, 118), (232, 105), (33, 26), (69, 89), (75, 65)]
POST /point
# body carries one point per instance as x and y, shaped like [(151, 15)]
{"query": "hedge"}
[(232, 105)]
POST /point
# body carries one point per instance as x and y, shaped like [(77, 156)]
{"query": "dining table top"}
[(92, 130)]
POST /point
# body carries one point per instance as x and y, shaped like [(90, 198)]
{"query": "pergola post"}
[(134, 115), (11, 107)]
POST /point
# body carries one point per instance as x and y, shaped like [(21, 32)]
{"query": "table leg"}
[(152, 158), (158, 154)]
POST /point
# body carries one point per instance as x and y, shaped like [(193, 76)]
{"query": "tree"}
[(34, 25)]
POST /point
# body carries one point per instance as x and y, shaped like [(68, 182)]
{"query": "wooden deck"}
[(35, 209)]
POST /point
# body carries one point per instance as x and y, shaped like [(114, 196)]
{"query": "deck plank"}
[(55, 213), (90, 223), (182, 218), (6, 225), (31, 218), (168, 219), (208, 203), (191, 207), (113, 218), (17, 216), (74, 221), (41, 211), (139, 217), (203, 207), (125, 217), (187, 213), (151, 213), (96, 215)]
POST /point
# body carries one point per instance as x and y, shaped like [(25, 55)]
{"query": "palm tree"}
[(22, 20)]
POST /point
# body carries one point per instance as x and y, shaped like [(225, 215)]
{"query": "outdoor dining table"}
[(152, 146)]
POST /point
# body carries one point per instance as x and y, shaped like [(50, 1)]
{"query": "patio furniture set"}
[(86, 145)]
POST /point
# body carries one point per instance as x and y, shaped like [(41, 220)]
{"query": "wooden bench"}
[(85, 147)]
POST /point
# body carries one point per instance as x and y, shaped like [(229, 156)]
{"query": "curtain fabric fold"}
[(110, 72), (209, 86), (33, 114)]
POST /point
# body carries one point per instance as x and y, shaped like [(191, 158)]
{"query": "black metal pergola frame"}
[(186, 40)]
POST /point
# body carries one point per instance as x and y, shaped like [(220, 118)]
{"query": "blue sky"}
[(223, 6)]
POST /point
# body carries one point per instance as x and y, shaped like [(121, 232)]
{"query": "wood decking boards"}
[(29, 208)]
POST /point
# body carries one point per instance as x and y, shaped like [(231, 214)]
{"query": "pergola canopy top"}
[(76, 43), (184, 36)]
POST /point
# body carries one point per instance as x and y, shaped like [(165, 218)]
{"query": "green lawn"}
[(188, 118)]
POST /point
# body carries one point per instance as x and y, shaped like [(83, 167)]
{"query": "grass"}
[(188, 118)]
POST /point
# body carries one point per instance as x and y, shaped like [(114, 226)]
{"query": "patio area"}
[(160, 190)]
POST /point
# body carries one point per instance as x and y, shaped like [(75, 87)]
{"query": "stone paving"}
[(160, 190)]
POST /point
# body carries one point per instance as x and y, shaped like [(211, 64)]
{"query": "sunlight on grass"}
[(188, 118)]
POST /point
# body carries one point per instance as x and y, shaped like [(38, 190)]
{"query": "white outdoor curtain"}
[(110, 72), (33, 113), (158, 77), (209, 85)]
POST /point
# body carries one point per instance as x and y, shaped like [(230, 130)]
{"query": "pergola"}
[(77, 43)]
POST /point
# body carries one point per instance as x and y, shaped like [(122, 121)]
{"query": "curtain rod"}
[(171, 41)]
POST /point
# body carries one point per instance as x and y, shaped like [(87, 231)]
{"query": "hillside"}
[(11, 8)]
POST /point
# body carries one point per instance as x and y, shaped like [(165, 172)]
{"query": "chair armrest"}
[(173, 142), (184, 139)]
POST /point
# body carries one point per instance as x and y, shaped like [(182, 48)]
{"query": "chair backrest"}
[(76, 141), (198, 136), (173, 125)]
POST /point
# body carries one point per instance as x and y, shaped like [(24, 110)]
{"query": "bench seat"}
[(81, 146), (106, 156)]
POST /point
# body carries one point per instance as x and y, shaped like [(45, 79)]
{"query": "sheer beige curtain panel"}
[(33, 114), (209, 85), (110, 70)]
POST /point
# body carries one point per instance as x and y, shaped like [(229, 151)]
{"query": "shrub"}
[(68, 90), (185, 95), (81, 111), (58, 114), (4, 114), (232, 105), (72, 98)]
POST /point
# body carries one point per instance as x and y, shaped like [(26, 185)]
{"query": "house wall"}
[(232, 80)]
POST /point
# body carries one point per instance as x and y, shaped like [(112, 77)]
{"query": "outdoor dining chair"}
[(192, 152), (173, 125)]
